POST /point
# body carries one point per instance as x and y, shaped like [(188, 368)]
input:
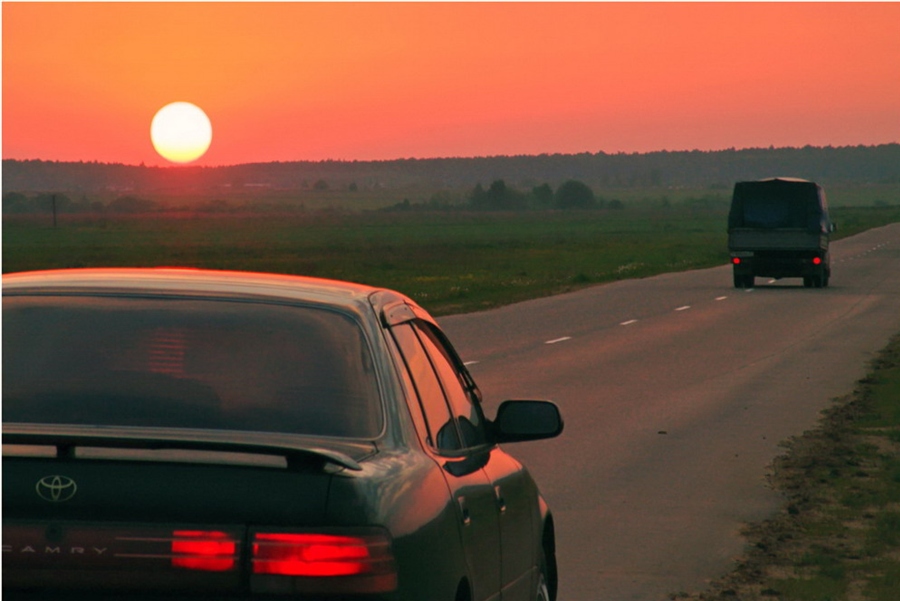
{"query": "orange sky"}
[(312, 81)]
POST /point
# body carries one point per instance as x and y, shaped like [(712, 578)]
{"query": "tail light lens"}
[(736, 260), (308, 554), (324, 562), (206, 550), (817, 260)]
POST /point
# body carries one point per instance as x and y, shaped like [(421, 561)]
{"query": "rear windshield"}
[(187, 363)]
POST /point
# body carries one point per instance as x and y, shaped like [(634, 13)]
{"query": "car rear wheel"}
[(542, 591)]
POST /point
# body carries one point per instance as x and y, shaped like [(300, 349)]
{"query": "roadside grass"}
[(448, 261), (838, 535)]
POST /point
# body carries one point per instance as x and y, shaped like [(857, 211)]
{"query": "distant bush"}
[(499, 197), (543, 194), (574, 194), (15, 202)]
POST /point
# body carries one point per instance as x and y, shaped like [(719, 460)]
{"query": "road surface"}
[(677, 391)]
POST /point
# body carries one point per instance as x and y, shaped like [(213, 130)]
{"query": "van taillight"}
[(321, 555), (207, 550), (736, 260), (817, 260)]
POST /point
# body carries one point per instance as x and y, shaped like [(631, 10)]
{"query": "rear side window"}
[(454, 418), (187, 363), (771, 211), (442, 433)]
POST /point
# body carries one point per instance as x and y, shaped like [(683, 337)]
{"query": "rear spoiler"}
[(66, 438)]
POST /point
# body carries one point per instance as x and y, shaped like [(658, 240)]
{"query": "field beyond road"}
[(450, 261)]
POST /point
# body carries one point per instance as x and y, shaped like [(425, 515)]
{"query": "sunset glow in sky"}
[(361, 81)]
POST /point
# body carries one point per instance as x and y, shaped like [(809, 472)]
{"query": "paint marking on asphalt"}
[(467, 363), (555, 340), (684, 308), (628, 323), (720, 298), (772, 281), (749, 289)]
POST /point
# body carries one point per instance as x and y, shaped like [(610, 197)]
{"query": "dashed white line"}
[(628, 323), (555, 340), (684, 308), (467, 363), (721, 298)]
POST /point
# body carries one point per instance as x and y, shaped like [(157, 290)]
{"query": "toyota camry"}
[(179, 433)]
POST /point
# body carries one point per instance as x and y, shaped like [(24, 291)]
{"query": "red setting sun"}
[(361, 81)]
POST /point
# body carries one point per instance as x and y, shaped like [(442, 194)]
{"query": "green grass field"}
[(449, 261)]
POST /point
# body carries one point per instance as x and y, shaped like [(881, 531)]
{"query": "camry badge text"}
[(56, 489)]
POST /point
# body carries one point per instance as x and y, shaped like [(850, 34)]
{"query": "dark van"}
[(780, 228)]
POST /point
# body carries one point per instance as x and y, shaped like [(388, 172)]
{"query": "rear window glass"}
[(772, 211), (187, 363)]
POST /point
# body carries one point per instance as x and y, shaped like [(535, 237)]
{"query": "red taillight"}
[(207, 550), (311, 554), (736, 260), (817, 260)]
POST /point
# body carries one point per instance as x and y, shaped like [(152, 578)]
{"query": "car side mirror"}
[(518, 421)]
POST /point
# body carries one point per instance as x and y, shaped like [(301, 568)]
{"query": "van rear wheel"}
[(743, 281)]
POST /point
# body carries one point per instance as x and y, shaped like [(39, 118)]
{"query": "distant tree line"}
[(500, 196), (720, 168), (571, 194)]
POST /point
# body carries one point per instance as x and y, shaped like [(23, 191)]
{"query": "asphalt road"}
[(677, 391)]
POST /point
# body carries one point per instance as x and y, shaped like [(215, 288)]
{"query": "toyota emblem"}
[(56, 489)]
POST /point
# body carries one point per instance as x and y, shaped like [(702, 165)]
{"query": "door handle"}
[(501, 502), (464, 511)]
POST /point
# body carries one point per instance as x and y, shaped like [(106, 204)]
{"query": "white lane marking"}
[(772, 281), (628, 323), (749, 289), (684, 308), (467, 363), (720, 298), (555, 340)]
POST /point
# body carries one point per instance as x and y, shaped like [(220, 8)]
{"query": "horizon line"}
[(453, 158)]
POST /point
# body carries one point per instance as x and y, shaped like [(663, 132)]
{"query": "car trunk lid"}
[(127, 511)]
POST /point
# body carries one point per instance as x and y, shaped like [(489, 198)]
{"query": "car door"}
[(514, 492), (516, 496), (469, 485)]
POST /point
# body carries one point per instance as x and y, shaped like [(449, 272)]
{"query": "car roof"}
[(153, 280)]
